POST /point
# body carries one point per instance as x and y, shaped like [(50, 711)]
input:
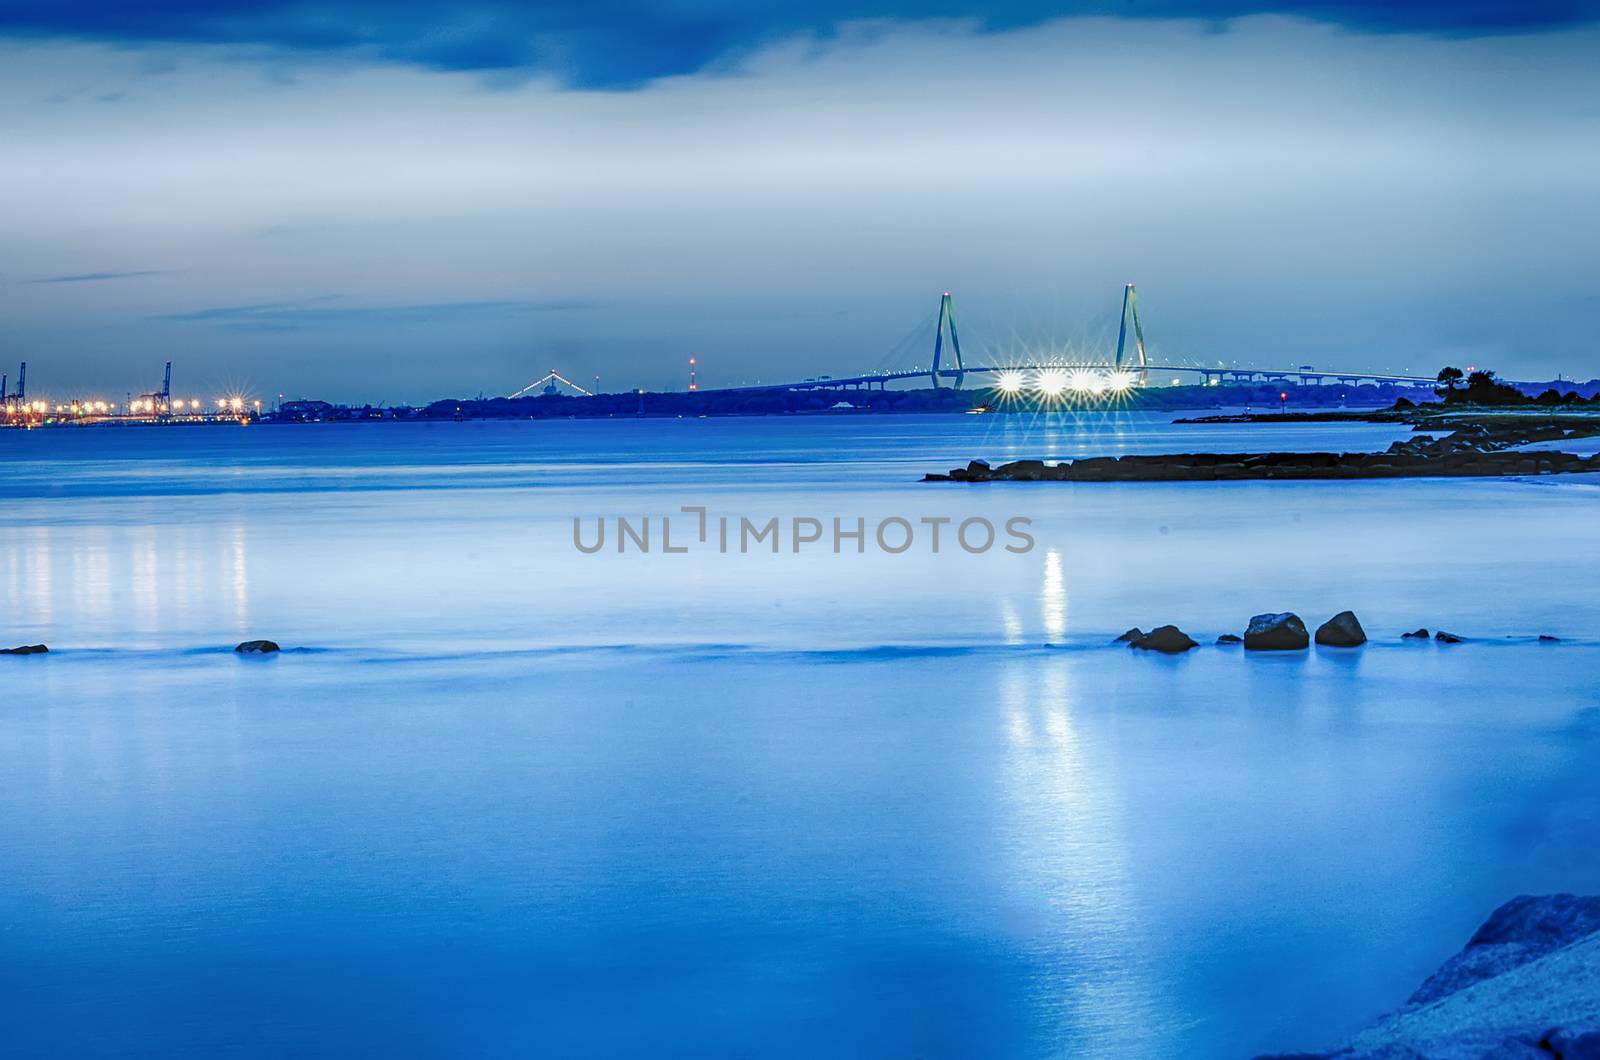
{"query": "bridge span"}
[(1107, 375), (1124, 370)]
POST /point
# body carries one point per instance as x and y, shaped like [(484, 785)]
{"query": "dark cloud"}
[(87, 277), (613, 44), (315, 313)]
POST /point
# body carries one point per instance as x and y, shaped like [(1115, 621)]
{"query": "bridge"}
[(1125, 370)]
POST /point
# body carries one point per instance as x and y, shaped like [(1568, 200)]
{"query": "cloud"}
[(312, 314), (91, 277), (619, 44), (1362, 200)]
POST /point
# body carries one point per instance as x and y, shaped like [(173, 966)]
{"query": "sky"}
[(396, 203)]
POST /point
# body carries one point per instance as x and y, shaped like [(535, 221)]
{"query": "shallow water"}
[(510, 798)]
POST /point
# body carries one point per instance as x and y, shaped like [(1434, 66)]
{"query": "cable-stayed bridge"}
[(1129, 367)]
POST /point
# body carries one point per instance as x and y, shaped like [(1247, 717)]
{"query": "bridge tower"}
[(1130, 308), (947, 322)]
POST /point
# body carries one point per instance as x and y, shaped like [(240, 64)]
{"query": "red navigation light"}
[(1283, 396)]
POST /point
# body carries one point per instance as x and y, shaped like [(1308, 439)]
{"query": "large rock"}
[(1524, 929), (1416, 634), (1526, 985), (1276, 632), (1446, 638), (1169, 640), (25, 649), (1129, 637), (1342, 631), (257, 647), (1230, 638)]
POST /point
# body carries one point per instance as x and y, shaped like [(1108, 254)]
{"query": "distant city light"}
[(1010, 382)]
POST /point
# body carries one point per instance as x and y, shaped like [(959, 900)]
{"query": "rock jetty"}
[(1471, 449), (1213, 467)]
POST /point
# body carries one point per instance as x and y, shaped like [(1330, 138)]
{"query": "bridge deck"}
[(1244, 374)]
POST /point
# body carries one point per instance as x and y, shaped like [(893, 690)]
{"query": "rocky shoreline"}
[(1527, 984), (1471, 449)]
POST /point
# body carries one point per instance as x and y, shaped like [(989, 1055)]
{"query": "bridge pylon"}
[(947, 322), (1130, 308)]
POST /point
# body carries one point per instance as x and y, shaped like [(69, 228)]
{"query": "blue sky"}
[(397, 202)]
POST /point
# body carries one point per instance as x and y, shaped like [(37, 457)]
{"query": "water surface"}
[(505, 798)]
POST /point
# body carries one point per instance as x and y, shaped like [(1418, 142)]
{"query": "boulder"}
[(257, 647), (25, 649), (1524, 986), (1342, 631), (1169, 640), (1524, 929), (1545, 638), (1416, 634), (1276, 632), (1129, 637), (1446, 638), (1230, 638)]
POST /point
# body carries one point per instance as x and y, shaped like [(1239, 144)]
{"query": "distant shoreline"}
[(776, 402), (1477, 443)]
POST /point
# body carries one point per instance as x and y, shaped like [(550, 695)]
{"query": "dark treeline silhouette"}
[(1482, 387), (928, 399), (1456, 387)]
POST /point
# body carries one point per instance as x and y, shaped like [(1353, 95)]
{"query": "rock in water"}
[(1279, 632), (257, 647), (25, 649), (1134, 634), (1416, 634), (1342, 631), (1230, 638), (1446, 638), (1545, 638), (1169, 640)]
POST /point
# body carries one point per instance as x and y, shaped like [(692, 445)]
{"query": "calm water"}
[(506, 798)]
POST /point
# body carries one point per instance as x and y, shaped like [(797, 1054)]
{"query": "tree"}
[(1450, 377), (1483, 379)]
